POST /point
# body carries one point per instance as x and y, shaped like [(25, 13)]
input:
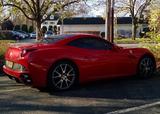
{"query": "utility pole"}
[(112, 22), (107, 20), (62, 19), (109, 27)]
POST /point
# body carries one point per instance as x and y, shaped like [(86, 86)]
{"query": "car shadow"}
[(123, 88), (33, 108)]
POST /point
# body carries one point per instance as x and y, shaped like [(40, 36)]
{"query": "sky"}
[(100, 10), (95, 11)]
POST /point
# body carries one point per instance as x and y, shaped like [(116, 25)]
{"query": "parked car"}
[(33, 35), (26, 35), (65, 60), (49, 34), (11, 35), (23, 36)]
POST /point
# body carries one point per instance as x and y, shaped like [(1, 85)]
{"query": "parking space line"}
[(11, 85), (11, 90), (134, 108)]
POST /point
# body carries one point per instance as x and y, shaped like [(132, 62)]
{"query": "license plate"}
[(9, 64)]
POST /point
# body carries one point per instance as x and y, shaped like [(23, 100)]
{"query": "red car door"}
[(102, 64), (92, 63), (111, 63), (98, 64), (122, 62), (99, 59)]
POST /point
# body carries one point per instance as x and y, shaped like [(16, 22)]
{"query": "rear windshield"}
[(57, 38)]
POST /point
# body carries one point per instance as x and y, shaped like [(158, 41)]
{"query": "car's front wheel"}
[(63, 76), (146, 67)]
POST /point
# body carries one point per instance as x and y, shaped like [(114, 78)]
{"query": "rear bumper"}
[(13, 73), (32, 78), (21, 76)]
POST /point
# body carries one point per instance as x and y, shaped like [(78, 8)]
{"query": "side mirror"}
[(116, 48)]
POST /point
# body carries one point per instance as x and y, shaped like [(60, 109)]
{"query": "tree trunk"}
[(39, 35), (134, 29)]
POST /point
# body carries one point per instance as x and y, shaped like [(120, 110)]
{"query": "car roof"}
[(81, 35), (73, 36)]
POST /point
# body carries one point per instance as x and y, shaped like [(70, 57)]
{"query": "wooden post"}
[(112, 23), (109, 27)]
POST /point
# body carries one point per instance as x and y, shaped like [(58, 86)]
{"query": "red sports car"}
[(65, 60)]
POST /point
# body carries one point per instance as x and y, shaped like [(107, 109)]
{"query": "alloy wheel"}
[(146, 67), (63, 76)]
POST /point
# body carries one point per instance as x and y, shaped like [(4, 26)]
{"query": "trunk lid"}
[(15, 51), (27, 45)]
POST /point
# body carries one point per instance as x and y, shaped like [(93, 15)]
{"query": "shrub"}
[(155, 49), (24, 28), (7, 25), (31, 29), (17, 27), (4, 44), (153, 45), (131, 41)]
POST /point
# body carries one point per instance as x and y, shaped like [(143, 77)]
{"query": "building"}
[(93, 25), (51, 22), (123, 27)]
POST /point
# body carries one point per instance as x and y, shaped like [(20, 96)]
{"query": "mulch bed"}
[(1, 67)]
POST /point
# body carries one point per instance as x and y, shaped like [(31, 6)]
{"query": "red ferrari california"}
[(61, 62)]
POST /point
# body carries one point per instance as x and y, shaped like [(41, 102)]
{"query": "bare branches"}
[(22, 10), (135, 7), (34, 9), (39, 10)]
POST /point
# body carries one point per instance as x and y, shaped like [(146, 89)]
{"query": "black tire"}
[(146, 67), (17, 80), (63, 76), (10, 77)]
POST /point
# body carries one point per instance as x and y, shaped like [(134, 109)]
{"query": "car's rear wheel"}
[(63, 76), (146, 67)]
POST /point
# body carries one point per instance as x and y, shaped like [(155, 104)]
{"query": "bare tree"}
[(3, 16), (135, 8), (39, 10)]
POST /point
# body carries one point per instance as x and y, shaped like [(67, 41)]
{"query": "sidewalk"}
[(129, 45)]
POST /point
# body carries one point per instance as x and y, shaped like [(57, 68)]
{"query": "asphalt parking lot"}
[(120, 96)]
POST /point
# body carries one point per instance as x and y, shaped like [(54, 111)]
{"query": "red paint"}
[(92, 64)]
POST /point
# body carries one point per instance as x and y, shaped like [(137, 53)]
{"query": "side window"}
[(91, 43), (77, 43)]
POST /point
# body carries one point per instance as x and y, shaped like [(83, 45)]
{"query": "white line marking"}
[(11, 90), (134, 108), (11, 85)]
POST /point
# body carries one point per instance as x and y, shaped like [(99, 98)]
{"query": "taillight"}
[(26, 51)]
